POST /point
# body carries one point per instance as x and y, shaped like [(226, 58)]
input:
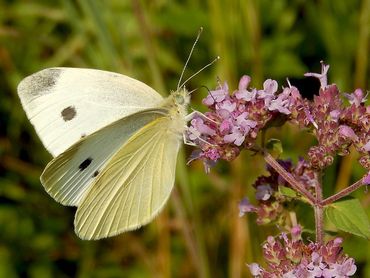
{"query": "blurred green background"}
[(199, 234)]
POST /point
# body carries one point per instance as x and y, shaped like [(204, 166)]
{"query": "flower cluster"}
[(272, 191), (234, 120), (339, 126), (290, 257)]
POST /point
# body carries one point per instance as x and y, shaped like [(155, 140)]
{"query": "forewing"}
[(67, 177), (65, 104), (134, 185)]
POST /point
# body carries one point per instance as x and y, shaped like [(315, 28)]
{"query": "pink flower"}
[(347, 132), (223, 113), (226, 126), (245, 123), (282, 102), (236, 136), (198, 128), (335, 115), (321, 76), (226, 105), (296, 232), (212, 154), (217, 95), (246, 95), (270, 87), (366, 147), (244, 82), (343, 270), (316, 266), (255, 269), (268, 93), (264, 192), (356, 98), (245, 206), (366, 179)]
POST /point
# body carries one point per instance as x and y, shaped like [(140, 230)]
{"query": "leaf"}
[(286, 191), (349, 216)]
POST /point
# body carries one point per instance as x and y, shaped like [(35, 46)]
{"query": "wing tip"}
[(39, 83)]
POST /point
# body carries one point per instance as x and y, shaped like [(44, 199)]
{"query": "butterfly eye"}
[(179, 99)]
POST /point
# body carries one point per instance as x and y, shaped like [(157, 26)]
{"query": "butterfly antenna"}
[(191, 52), (206, 66)]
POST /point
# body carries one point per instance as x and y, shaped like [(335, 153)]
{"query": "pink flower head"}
[(321, 76)]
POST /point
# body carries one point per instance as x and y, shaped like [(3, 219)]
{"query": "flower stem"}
[(318, 209), (319, 223), (288, 177), (348, 190)]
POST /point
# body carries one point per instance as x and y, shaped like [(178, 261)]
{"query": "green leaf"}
[(349, 216), (286, 191)]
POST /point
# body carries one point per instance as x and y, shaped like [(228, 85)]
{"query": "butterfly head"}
[(181, 97)]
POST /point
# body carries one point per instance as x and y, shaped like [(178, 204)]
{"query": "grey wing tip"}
[(39, 83)]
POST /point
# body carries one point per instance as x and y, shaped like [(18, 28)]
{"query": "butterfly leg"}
[(190, 116), (197, 136), (187, 141)]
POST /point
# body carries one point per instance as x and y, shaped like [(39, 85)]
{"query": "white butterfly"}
[(114, 140)]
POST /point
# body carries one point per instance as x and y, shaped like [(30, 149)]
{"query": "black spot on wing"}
[(95, 173), (85, 164), (43, 81), (68, 113)]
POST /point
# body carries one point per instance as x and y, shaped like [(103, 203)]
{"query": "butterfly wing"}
[(66, 104), (134, 186), (68, 176)]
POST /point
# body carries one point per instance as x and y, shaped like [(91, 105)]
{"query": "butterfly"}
[(114, 141)]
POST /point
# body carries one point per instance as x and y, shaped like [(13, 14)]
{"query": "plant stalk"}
[(289, 178), (318, 209), (348, 190)]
